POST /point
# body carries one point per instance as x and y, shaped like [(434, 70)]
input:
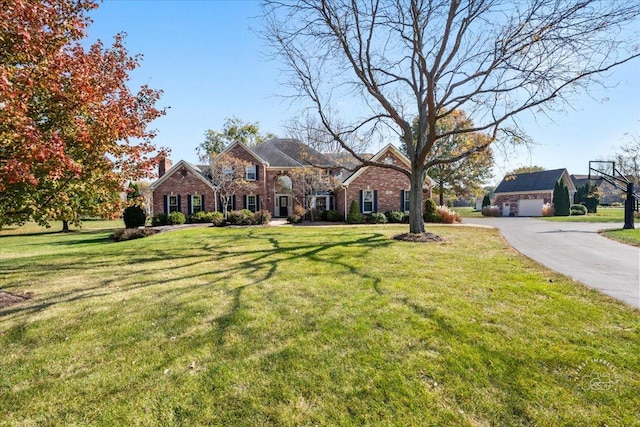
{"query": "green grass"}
[(603, 215), (305, 326), (631, 237), (468, 212)]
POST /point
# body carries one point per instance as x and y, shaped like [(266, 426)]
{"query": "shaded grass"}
[(604, 214), (304, 326), (631, 237)]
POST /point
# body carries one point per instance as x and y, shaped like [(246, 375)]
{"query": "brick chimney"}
[(164, 164)]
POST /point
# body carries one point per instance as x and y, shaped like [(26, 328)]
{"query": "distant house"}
[(187, 188), (607, 193), (524, 194)]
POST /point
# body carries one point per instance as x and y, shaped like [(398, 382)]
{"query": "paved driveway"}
[(576, 250)]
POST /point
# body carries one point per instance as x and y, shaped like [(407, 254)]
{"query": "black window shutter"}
[(244, 201), (258, 203), (179, 204), (361, 202), (233, 202), (375, 200), (166, 204), (257, 172), (189, 203), (202, 205), (401, 200)]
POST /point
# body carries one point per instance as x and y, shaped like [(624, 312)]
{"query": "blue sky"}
[(211, 64)]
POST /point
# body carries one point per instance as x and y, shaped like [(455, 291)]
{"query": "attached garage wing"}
[(530, 207)]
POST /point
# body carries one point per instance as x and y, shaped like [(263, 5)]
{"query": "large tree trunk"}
[(65, 226), (416, 222), (441, 193)]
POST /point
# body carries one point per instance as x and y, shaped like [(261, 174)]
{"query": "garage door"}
[(531, 207)]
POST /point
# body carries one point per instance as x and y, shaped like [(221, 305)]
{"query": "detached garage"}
[(524, 194), (530, 207)]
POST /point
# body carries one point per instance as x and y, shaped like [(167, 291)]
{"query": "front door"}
[(283, 202)]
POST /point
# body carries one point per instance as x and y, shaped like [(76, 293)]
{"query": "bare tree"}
[(400, 59), (309, 182), (627, 159), (228, 177)]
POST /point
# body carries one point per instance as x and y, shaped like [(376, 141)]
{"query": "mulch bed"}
[(425, 237), (7, 298)]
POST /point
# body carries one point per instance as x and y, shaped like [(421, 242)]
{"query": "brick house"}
[(187, 188), (379, 189), (524, 194)]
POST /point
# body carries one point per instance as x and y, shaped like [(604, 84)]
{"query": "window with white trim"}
[(407, 202), (252, 203), (251, 173), (367, 201), (196, 204), (173, 204)]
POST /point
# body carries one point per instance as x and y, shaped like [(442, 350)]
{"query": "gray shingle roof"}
[(281, 152), (532, 181)]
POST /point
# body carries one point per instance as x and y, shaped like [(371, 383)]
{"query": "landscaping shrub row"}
[(242, 217)]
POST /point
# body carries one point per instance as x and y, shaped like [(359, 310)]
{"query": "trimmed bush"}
[(430, 211), (547, 210), (134, 217), (159, 219), (294, 219), (261, 217), (377, 218), (354, 216), (201, 217), (490, 210), (447, 215), (334, 216), (176, 218), (486, 201), (578, 210), (242, 217), (395, 217), (217, 219)]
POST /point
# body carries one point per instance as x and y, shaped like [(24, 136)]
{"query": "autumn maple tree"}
[(72, 132)]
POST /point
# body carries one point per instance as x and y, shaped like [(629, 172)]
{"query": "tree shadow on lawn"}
[(262, 263), (500, 369)]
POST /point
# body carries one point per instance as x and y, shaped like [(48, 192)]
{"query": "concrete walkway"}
[(576, 250)]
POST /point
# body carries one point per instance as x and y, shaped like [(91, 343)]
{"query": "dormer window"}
[(388, 160)]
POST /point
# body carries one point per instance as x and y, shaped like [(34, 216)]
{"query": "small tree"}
[(430, 211), (354, 216), (228, 177), (486, 200), (307, 183), (587, 195), (561, 201)]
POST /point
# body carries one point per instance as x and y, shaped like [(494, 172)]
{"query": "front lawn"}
[(631, 237), (604, 214), (306, 326)]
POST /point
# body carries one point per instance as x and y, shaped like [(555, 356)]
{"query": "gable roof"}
[(581, 180), (389, 148), (289, 153), (531, 181), (247, 149), (198, 171)]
